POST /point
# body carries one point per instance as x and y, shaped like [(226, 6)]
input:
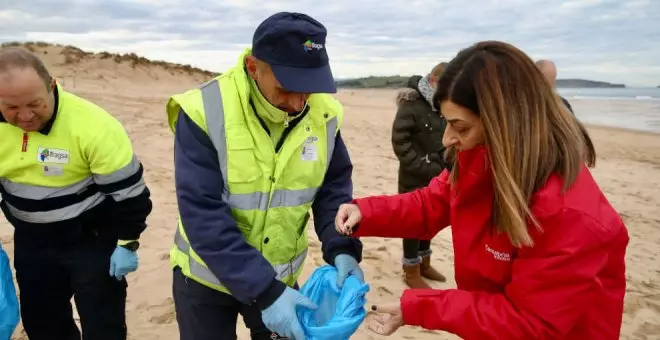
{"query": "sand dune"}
[(628, 170)]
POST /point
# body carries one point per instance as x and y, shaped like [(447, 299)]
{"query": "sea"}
[(628, 108)]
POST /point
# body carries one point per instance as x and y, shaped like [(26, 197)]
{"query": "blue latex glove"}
[(281, 316), (347, 265), (122, 262)]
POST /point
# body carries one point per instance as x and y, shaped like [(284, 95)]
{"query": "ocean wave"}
[(613, 98)]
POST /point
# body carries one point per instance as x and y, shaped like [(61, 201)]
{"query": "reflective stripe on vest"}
[(40, 193), (215, 123), (282, 270)]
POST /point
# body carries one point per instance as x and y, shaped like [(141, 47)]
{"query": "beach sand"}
[(628, 170)]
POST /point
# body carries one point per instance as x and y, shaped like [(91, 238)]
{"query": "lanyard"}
[(25, 142)]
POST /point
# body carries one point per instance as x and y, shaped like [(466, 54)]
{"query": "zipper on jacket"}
[(24, 145), (25, 142), (289, 124), (288, 128)]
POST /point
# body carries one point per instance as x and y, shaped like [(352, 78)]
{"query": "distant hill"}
[(89, 74), (71, 55), (374, 82), (586, 83)]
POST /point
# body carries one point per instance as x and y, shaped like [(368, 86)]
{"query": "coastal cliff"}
[(398, 81)]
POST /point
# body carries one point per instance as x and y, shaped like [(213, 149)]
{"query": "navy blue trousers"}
[(206, 314), (48, 276)]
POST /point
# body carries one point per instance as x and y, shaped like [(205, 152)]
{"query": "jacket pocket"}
[(496, 259), (242, 166)]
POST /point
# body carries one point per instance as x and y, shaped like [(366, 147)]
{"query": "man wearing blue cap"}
[(255, 149)]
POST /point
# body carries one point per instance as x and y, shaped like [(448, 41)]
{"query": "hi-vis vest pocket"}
[(242, 164)]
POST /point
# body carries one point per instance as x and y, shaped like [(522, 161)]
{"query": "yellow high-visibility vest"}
[(270, 194)]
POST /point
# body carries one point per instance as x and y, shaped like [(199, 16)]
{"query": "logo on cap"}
[(309, 45)]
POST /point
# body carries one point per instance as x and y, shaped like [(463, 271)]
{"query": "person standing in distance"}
[(417, 142), (255, 149), (549, 70), (73, 190)]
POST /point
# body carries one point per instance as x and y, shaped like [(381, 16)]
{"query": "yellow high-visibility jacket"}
[(267, 191)]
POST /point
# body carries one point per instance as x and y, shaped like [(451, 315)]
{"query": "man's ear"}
[(53, 84), (251, 66)]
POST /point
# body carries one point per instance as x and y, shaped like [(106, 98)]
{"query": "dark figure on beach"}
[(417, 142)]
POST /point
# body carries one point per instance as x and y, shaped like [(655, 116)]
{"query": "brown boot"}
[(413, 278), (429, 272)]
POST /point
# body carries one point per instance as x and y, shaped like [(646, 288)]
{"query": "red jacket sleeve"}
[(551, 285), (419, 214)]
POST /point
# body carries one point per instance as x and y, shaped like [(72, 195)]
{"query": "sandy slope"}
[(628, 171)]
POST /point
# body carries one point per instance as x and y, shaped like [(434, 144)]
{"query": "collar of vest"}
[(45, 130)]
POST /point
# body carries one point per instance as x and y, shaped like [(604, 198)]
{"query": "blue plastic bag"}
[(339, 313), (9, 314)]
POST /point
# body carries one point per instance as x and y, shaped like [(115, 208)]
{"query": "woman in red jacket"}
[(539, 251)]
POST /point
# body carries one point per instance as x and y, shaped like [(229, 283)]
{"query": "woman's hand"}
[(385, 319), (348, 216)]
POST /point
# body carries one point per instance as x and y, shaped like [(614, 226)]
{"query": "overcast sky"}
[(609, 40)]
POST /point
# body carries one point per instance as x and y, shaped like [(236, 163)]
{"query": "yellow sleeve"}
[(118, 173), (114, 166)]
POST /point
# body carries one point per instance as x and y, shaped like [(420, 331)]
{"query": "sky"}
[(607, 40)]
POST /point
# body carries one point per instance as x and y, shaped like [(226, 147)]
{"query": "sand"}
[(628, 171)]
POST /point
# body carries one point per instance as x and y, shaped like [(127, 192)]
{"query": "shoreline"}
[(347, 97), (591, 126)]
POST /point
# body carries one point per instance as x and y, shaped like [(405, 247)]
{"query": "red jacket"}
[(569, 285)]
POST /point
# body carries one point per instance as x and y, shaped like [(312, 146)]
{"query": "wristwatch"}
[(132, 246)]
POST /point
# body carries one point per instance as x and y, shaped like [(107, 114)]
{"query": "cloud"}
[(608, 40)]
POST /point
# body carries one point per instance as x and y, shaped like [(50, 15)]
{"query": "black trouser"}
[(206, 314), (48, 276), (413, 249)]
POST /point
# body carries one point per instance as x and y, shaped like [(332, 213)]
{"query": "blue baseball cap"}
[(293, 44)]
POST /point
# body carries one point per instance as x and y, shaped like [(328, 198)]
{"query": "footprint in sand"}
[(370, 255), (318, 261), (384, 291), (646, 331), (164, 312), (314, 244)]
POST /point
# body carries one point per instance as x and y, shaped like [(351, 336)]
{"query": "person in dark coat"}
[(417, 142)]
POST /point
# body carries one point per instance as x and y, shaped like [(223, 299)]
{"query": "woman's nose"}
[(448, 139)]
